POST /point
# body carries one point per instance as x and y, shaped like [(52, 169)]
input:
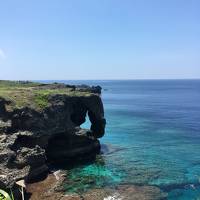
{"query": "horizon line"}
[(136, 79)]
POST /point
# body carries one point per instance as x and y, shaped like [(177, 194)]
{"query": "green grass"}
[(23, 84), (41, 100), (31, 94)]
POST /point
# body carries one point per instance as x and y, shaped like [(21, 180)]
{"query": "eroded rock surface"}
[(49, 189), (30, 139)]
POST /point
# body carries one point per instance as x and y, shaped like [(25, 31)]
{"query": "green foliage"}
[(12, 196), (41, 100), (5, 196), (31, 94)]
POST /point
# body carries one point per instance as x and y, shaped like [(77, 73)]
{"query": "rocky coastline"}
[(40, 130), (32, 138), (50, 189)]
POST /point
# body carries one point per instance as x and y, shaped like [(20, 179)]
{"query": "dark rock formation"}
[(31, 139)]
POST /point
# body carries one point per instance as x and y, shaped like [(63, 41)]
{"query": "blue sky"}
[(99, 39)]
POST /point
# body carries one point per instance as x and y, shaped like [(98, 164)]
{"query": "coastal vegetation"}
[(5, 196), (32, 94)]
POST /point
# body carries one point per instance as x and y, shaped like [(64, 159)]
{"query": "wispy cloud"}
[(2, 54)]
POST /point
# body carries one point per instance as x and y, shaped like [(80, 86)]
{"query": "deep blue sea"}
[(152, 137)]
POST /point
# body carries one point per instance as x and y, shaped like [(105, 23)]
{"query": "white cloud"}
[(2, 54)]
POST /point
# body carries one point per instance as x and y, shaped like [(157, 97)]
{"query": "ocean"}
[(152, 137)]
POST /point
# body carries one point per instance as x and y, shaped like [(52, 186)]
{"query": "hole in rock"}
[(87, 123)]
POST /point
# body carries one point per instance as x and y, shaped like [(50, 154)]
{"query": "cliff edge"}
[(40, 125)]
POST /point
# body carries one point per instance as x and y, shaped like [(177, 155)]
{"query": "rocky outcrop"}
[(30, 140), (49, 189), (125, 192)]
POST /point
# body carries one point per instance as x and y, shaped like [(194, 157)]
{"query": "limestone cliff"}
[(40, 125)]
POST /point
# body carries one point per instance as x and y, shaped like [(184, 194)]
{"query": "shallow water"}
[(152, 138)]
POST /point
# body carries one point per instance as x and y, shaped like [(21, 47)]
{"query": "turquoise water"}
[(152, 137)]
